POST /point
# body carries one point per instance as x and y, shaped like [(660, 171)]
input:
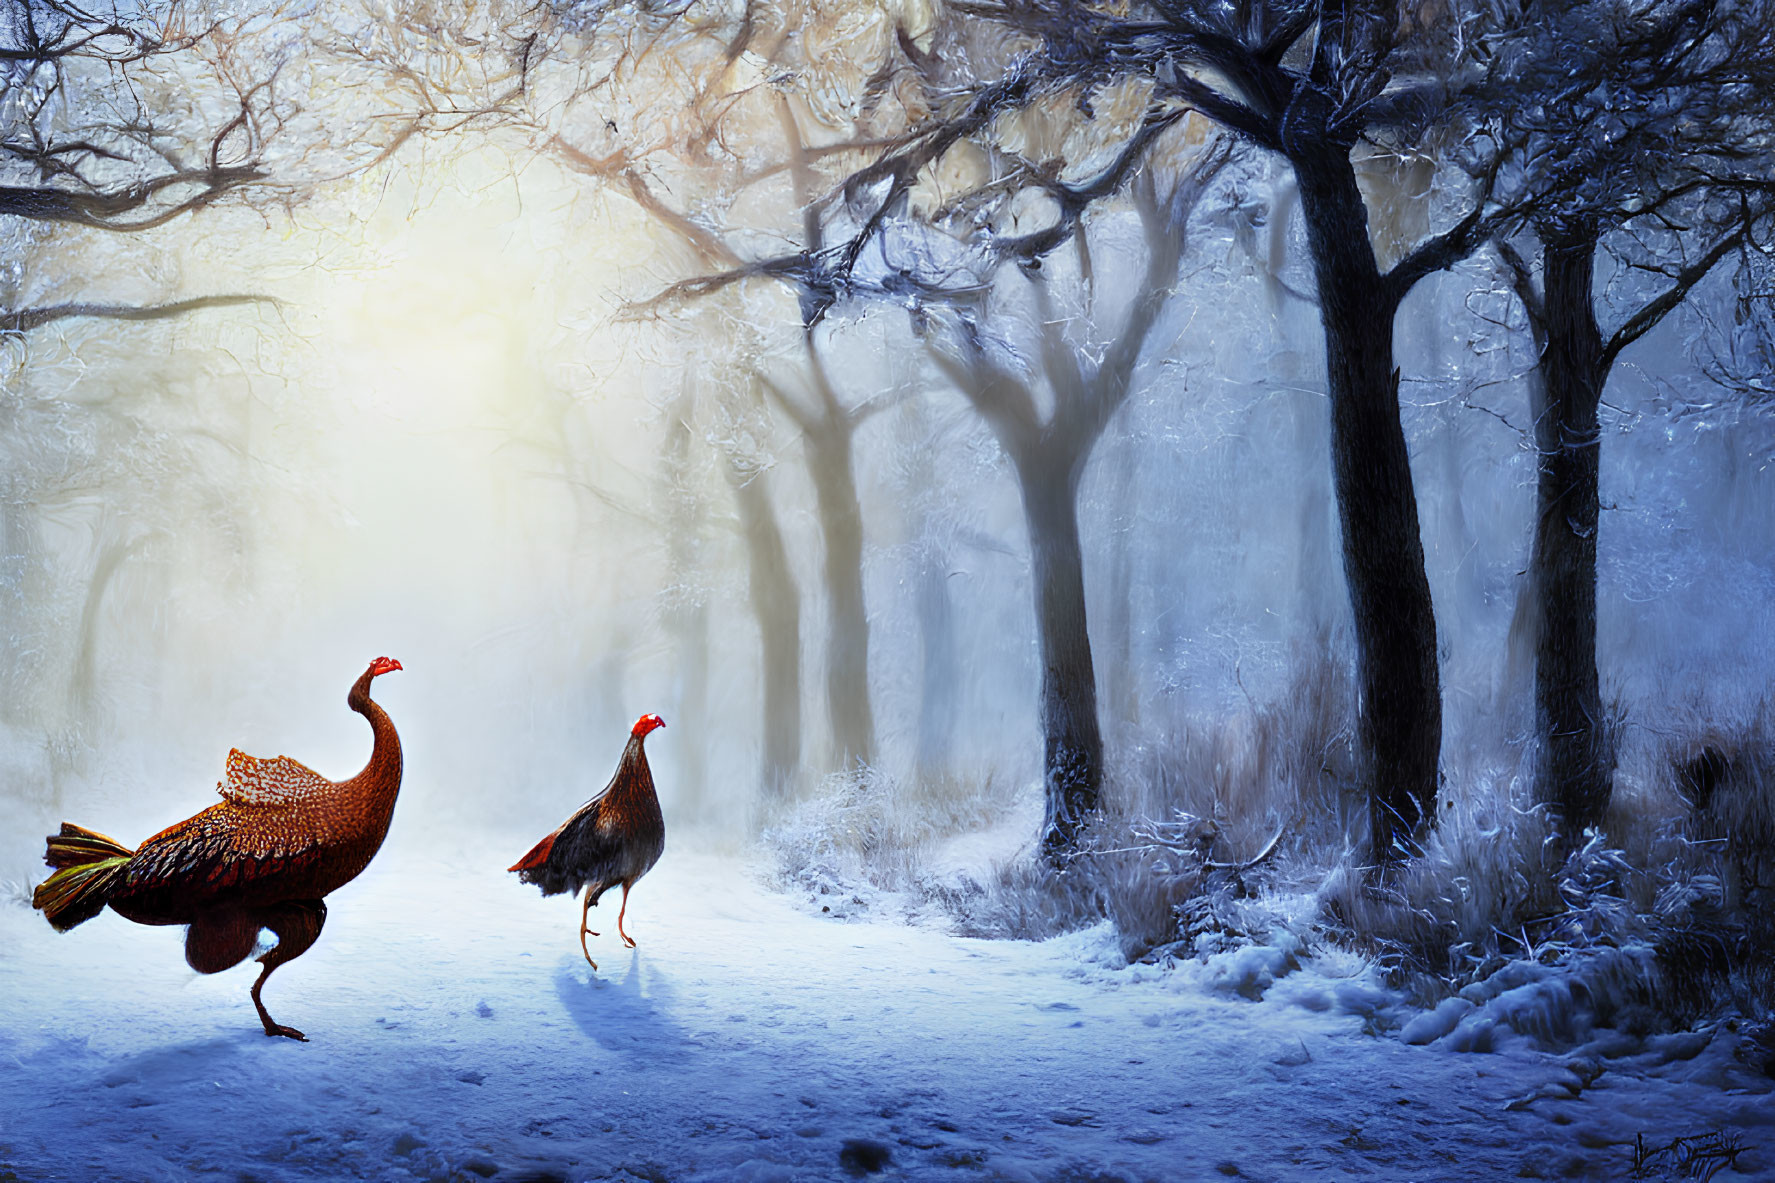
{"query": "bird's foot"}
[(275, 1029), (628, 940)]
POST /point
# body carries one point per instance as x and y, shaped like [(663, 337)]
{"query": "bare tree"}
[(691, 146), (90, 136), (1049, 453), (118, 119), (828, 427), (1313, 81), (776, 604), (1636, 130)]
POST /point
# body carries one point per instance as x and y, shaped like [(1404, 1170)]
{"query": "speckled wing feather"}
[(265, 824), (219, 850), (282, 781)]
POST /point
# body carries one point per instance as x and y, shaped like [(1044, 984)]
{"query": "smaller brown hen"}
[(616, 837)]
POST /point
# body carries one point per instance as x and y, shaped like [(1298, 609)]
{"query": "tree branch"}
[(1442, 251), (1060, 362), (1166, 226), (1647, 318), (1231, 114), (1074, 200), (25, 319), (101, 209), (1001, 399), (891, 397)]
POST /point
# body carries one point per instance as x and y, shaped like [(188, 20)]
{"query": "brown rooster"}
[(283, 837), (616, 837)]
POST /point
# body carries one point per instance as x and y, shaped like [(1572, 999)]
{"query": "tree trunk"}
[(1072, 744), (777, 605), (1572, 774), (685, 612), (692, 631), (847, 624), (1400, 724), (939, 679), (1118, 635)]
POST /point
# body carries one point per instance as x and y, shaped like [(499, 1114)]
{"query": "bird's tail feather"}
[(87, 864), (539, 854)]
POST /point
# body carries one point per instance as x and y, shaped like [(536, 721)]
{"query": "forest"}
[(1208, 567)]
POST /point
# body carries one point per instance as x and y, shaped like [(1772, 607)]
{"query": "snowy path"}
[(457, 1034)]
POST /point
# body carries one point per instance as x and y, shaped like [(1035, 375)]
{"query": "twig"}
[(1262, 856)]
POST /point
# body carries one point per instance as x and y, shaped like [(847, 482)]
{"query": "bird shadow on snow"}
[(174, 1064), (169, 1073), (626, 1013)]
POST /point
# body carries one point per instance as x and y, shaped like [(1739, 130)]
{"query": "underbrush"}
[(1212, 834), (1664, 915), (1188, 795)]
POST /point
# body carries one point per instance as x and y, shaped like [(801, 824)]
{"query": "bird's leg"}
[(584, 914), (297, 925), (619, 915)]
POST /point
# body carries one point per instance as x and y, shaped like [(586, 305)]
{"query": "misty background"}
[(455, 433)]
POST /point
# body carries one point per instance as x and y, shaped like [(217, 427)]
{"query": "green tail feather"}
[(89, 864)]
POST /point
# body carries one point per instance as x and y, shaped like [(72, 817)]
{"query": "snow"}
[(457, 1035)]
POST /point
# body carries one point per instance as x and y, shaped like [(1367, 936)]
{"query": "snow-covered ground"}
[(457, 1034)]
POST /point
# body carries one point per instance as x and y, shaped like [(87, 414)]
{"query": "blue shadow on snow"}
[(630, 1013)]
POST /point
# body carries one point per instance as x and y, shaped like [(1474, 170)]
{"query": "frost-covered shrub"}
[(948, 840), (1221, 789), (1657, 917), (1198, 790), (1720, 919), (1661, 915)]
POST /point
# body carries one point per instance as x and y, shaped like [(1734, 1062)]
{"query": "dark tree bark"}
[(1072, 744), (1048, 459), (776, 603), (1308, 82), (1400, 722), (1572, 775)]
